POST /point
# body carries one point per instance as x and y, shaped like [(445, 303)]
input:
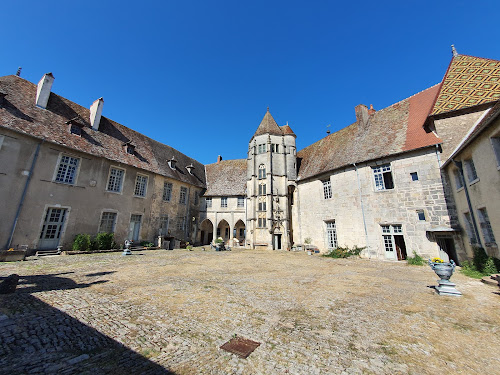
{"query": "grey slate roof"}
[(226, 178), (20, 114)]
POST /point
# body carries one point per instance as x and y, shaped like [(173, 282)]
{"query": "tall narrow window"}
[(66, 171), (469, 227), (262, 206), (141, 183), (327, 189), (383, 177), (495, 143), (183, 195), (484, 220), (181, 223), (108, 222), (261, 221), (163, 225), (262, 172), (115, 180), (262, 189), (471, 170), (458, 179), (331, 235), (208, 202), (167, 191), (223, 202)]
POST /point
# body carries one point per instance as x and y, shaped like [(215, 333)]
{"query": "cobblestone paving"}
[(170, 311)]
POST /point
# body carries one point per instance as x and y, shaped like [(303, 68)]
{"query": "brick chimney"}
[(95, 113), (371, 111), (43, 90), (219, 159), (361, 116)]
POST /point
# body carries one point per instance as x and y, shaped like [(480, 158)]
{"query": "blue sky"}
[(199, 75)]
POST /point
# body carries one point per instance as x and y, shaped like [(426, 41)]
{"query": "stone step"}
[(41, 253), (490, 281)]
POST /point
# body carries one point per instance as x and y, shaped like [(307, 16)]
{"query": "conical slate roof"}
[(268, 126)]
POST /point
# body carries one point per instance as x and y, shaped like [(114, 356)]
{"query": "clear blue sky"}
[(198, 75)]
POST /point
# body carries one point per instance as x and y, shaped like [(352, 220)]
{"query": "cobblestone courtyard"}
[(164, 312)]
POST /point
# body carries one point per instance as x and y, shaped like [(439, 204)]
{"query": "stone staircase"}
[(41, 253), (493, 280)]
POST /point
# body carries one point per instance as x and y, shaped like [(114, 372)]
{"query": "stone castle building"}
[(387, 182)]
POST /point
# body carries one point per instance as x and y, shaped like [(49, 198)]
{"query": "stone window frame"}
[(241, 201), (382, 177), (163, 227), (471, 172), (262, 221), (208, 202), (223, 202), (141, 185), (67, 169), (181, 223), (485, 224), (114, 181), (262, 148), (414, 176), (262, 189), (108, 221), (331, 234), (275, 147), (495, 144), (388, 232), (421, 215), (327, 189), (469, 228), (167, 191), (183, 195), (262, 172), (262, 206), (458, 179)]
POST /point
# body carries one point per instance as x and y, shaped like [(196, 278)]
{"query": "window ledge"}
[(384, 191), (460, 189), (473, 182), (113, 192), (490, 244), (139, 196)]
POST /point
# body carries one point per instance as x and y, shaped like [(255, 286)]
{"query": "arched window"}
[(262, 171)]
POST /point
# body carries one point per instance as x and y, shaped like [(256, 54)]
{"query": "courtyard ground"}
[(158, 312)]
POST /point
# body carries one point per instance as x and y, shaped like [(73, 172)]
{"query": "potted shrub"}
[(444, 270)]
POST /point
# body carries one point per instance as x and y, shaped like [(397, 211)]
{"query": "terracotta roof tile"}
[(226, 178), (287, 130), (19, 113)]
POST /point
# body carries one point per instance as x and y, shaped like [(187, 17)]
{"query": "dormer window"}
[(172, 162), (75, 127), (190, 168), (129, 148)]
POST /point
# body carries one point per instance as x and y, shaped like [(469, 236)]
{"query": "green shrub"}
[(81, 242), (344, 252), (480, 258), (490, 267), (415, 260), (104, 241)]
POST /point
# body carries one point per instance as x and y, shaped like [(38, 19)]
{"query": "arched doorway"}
[(207, 232), (239, 232), (223, 230)]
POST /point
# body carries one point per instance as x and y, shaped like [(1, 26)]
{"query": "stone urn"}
[(444, 271)]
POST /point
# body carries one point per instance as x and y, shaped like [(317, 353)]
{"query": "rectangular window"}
[(471, 170), (181, 223), (183, 195), (262, 189), (261, 148), (115, 181), (196, 198), (163, 225), (421, 215), (262, 206), (274, 147), (108, 222), (261, 222), (414, 176), (327, 189), (484, 221), (383, 177), (141, 184), (458, 179), (388, 234), (262, 172), (167, 191), (208, 201), (469, 227), (241, 201), (223, 202), (331, 235), (495, 143), (66, 171)]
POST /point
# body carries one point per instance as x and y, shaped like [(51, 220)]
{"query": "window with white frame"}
[(223, 202), (495, 143), (327, 189), (421, 215), (262, 206), (484, 221), (262, 148), (141, 184), (388, 232), (383, 177), (458, 179), (262, 172), (108, 222), (241, 201), (261, 221), (469, 228), (66, 171), (331, 234), (471, 170), (183, 195), (163, 225), (208, 202), (262, 189), (115, 180), (167, 191)]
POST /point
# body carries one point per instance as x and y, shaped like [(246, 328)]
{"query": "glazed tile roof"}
[(469, 81), (393, 130), (20, 114), (226, 178)]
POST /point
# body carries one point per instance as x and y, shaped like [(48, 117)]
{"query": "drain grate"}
[(240, 346)]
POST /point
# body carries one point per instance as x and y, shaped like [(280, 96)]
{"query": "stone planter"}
[(444, 271), (12, 255)]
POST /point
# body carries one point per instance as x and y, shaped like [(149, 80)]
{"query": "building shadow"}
[(37, 338)]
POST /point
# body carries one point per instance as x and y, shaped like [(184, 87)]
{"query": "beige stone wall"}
[(484, 192), (387, 207), (234, 216)]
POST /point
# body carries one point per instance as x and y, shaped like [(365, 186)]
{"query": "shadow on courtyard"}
[(37, 338)]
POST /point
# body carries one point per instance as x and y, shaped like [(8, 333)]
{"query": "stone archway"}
[(224, 230), (240, 232), (207, 232)]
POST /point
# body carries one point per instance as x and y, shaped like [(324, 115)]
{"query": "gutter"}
[(23, 196)]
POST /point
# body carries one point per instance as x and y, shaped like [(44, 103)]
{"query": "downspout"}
[(438, 156), (272, 198), (23, 196), (458, 164), (362, 210), (188, 222)]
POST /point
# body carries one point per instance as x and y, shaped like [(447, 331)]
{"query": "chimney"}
[(219, 159), (361, 116), (171, 163), (95, 113), (190, 168), (371, 111), (43, 90)]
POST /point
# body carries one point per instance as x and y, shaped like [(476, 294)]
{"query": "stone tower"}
[(271, 175)]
